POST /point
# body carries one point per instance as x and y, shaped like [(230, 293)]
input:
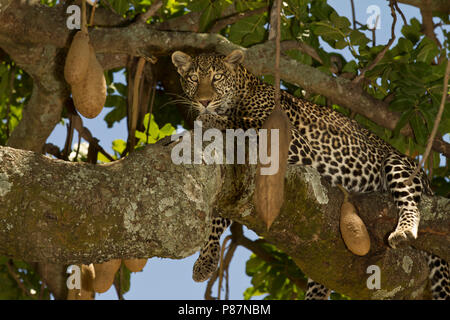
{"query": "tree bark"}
[(144, 205), (442, 6), (48, 28)]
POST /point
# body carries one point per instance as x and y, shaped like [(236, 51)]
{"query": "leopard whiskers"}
[(180, 100)]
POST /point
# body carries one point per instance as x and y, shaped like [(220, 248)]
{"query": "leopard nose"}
[(205, 102)]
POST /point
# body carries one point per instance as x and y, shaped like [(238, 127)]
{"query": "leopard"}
[(226, 95)]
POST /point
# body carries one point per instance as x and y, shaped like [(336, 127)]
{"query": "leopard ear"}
[(234, 58), (182, 61)]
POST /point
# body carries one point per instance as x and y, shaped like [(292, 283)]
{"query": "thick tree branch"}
[(64, 212), (139, 39), (427, 22), (435, 5)]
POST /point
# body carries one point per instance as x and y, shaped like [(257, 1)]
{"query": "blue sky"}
[(172, 279)]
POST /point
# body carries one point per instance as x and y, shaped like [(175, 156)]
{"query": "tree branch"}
[(427, 22), (223, 22), (435, 5), (74, 213), (138, 39), (155, 6)]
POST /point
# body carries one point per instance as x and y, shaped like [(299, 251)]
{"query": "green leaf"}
[(244, 5), (197, 5), (253, 265), (121, 88), (350, 66), (166, 130), (402, 103), (248, 31), (427, 50), (259, 277), (102, 158), (125, 279), (299, 56), (358, 38), (115, 100), (327, 31), (144, 139), (299, 8), (405, 45), (153, 130), (412, 31), (119, 145), (320, 10), (427, 112), (419, 128), (403, 121), (208, 15), (120, 6), (341, 44), (115, 115), (277, 283), (340, 22)]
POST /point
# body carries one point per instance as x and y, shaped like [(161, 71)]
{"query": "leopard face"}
[(208, 81)]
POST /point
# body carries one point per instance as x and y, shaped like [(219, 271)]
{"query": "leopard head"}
[(208, 80)]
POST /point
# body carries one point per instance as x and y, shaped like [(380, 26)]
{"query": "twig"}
[(209, 286), (41, 291), (381, 54), (84, 28), (435, 126), (150, 12), (91, 19), (118, 284), (430, 165), (110, 7), (274, 17), (134, 106), (227, 287), (8, 105), (224, 244), (152, 101), (400, 11), (353, 14), (301, 46), (222, 23), (277, 37), (77, 123), (14, 275), (226, 263), (78, 146), (374, 29)]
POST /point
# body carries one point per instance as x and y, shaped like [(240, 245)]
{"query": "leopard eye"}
[(193, 78), (218, 76)]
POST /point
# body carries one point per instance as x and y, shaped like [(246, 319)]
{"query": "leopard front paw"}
[(206, 263), (399, 237)]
